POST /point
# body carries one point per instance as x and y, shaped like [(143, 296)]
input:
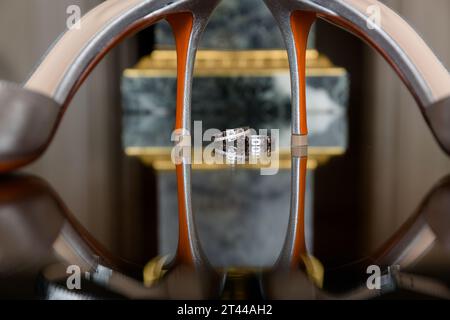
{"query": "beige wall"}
[(403, 160), (88, 141)]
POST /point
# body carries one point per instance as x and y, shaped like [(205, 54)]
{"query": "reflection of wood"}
[(294, 247), (414, 244)]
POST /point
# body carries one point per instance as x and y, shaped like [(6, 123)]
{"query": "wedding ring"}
[(231, 156), (258, 145), (239, 144), (232, 134)]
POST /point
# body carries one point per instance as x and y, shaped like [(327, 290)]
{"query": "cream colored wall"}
[(403, 160), (88, 141)]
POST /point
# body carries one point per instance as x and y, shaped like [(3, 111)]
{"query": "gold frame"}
[(160, 158), (163, 63), (218, 63)]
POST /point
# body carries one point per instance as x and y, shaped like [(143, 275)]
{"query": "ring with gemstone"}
[(232, 134), (241, 142), (258, 145)]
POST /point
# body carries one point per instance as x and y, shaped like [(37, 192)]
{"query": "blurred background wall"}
[(391, 150), (402, 160), (88, 140)]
